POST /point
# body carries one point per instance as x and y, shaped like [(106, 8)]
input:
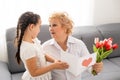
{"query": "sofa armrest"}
[(4, 72)]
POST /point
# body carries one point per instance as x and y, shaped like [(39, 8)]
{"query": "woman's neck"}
[(62, 42)]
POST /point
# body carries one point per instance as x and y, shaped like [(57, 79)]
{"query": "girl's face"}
[(36, 29), (56, 29)]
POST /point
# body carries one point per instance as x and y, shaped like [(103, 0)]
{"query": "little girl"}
[(30, 51)]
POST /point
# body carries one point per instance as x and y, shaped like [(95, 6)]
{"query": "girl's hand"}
[(98, 67), (60, 65)]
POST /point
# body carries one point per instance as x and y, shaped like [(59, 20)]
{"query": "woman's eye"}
[(49, 25), (54, 25)]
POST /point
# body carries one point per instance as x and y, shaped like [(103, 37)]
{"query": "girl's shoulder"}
[(27, 50), (48, 42)]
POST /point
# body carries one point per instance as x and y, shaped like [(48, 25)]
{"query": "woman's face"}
[(56, 29)]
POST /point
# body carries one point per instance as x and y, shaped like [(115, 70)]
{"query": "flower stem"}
[(94, 72)]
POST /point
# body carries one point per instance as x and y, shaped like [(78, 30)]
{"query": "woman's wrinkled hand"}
[(98, 67)]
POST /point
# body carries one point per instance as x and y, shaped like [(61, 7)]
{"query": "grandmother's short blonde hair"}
[(64, 19)]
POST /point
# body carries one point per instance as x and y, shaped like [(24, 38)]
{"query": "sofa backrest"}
[(44, 34), (111, 30), (88, 33), (11, 50), (85, 33)]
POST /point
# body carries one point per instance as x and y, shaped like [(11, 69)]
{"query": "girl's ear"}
[(31, 27)]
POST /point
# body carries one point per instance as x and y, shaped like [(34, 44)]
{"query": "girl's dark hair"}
[(23, 22)]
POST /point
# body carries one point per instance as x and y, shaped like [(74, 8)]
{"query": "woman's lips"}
[(52, 32)]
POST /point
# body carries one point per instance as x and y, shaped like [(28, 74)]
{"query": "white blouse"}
[(74, 46), (29, 50)]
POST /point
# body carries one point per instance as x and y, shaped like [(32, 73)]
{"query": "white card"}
[(78, 64)]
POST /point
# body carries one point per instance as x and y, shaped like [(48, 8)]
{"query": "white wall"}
[(106, 11), (81, 11), (3, 53)]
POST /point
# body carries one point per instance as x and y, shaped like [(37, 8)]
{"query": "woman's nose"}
[(51, 28)]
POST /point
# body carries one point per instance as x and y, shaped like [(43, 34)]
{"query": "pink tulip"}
[(96, 40), (115, 46)]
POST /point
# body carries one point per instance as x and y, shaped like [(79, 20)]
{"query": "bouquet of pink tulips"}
[(103, 49)]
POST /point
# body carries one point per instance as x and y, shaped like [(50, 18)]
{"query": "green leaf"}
[(94, 48), (99, 59), (102, 50), (105, 54)]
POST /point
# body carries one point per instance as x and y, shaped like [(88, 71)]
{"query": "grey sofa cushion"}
[(12, 63), (115, 61), (76, 32), (109, 67), (44, 34), (4, 72), (87, 35), (11, 50), (10, 34), (104, 76), (111, 30), (17, 76), (110, 72)]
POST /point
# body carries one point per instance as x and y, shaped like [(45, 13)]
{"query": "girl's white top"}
[(29, 50)]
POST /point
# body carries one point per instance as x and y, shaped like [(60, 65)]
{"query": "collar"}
[(71, 40)]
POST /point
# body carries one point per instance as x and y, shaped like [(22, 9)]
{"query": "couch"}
[(111, 70)]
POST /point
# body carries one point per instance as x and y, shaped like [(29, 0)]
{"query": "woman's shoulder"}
[(75, 40)]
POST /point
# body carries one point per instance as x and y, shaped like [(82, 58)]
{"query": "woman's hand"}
[(98, 67)]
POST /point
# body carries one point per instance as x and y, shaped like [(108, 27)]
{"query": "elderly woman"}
[(60, 29)]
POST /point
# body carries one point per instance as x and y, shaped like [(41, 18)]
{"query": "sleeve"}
[(37, 41), (44, 47), (85, 51), (29, 53)]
